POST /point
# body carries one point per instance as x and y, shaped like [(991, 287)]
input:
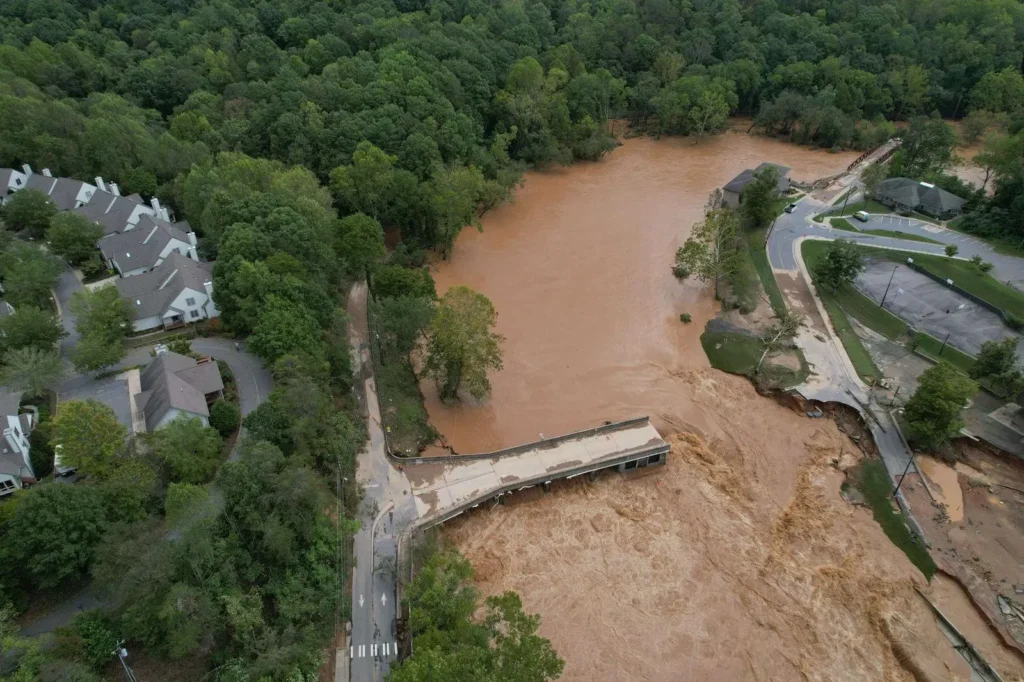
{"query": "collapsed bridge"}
[(444, 487)]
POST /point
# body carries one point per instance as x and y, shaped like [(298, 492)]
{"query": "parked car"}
[(790, 208), (862, 216), (58, 467)]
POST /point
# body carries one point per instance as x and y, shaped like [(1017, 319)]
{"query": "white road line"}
[(362, 650), (387, 648), (373, 649), (351, 652)]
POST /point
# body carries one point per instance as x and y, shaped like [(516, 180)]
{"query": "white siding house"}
[(15, 462), (179, 291)]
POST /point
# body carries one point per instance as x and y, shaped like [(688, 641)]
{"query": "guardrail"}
[(547, 477), (545, 443)]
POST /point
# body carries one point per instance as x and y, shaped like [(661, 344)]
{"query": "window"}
[(190, 301), (193, 314), (7, 485)]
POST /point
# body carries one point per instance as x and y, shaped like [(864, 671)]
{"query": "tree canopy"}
[(462, 345), (935, 412), (89, 436)]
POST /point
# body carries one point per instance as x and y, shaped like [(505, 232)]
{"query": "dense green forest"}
[(291, 134), (457, 97)]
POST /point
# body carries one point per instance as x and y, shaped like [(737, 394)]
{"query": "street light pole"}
[(882, 304), (853, 189), (122, 654)]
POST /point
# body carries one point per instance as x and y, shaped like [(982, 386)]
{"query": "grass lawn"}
[(402, 407), (759, 258), (739, 353), (871, 479), (732, 352), (842, 197), (930, 347)]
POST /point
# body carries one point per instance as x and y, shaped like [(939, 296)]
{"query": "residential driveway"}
[(253, 379), (112, 392), (67, 285), (931, 307)]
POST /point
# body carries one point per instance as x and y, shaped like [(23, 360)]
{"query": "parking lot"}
[(931, 307)]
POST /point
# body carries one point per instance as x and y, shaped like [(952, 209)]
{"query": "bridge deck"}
[(443, 489)]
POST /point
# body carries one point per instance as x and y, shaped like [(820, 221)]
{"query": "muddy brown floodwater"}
[(578, 269), (738, 560)]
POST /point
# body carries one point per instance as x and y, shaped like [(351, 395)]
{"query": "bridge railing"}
[(544, 443)]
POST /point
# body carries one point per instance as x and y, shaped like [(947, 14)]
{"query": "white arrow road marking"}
[(360, 601), (383, 599)]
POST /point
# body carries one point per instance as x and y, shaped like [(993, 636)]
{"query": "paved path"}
[(834, 378), (67, 286), (386, 511)]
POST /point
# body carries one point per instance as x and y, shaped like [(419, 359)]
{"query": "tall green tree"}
[(89, 436), (30, 327), (53, 534), (400, 323), (997, 359), (710, 252), (31, 370), (28, 275), (757, 206), (455, 195), (360, 243), (365, 185), (73, 236), (29, 211), (934, 413), (102, 318), (462, 345), (190, 451), (839, 266)]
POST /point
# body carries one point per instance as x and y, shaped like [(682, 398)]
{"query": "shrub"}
[(976, 261), (40, 450), (1013, 322), (685, 318), (89, 638), (985, 266), (224, 417), (680, 271), (952, 250)]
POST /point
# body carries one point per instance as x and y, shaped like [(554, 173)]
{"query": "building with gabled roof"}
[(732, 192), (176, 292), (904, 194), (10, 182), (65, 193), (174, 385), (146, 246), (15, 462)]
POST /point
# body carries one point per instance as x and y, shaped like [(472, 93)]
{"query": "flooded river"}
[(578, 269)]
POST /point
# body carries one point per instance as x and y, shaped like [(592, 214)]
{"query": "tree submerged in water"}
[(463, 345)]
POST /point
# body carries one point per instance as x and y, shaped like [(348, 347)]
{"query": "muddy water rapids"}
[(578, 268)]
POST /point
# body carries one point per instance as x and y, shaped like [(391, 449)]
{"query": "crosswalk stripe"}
[(351, 652)]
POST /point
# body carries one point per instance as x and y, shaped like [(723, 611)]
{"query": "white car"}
[(790, 208)]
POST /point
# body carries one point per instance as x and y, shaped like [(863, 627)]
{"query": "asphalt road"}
[(67, 285), (386, 511)]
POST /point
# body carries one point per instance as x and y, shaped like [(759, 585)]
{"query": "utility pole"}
[(882, 304), (849, 194), (122, 655), (944, 343), (897, 488)]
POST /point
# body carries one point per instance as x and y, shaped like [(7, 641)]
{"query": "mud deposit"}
[(578, 269)]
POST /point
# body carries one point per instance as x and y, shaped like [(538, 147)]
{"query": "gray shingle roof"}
[(919, 195), (152, 292), (179, 382), (64, 194), (112, 212), (40, 183), (738, 183), (9, 402), (141, 246)]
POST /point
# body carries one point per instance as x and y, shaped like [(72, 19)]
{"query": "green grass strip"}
[(759, 258), (871, 478)]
